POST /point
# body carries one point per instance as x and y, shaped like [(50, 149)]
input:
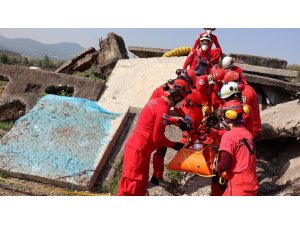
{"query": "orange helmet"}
[(231, 76), (217, 72)]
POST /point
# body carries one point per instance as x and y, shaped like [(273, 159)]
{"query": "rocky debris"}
[(144, 52), (11, 111), (27, 86), (67, 66), (289, 164), (261, 61), (282, 120), (267, 176), (86, 62), (110, 51), (2, 133)]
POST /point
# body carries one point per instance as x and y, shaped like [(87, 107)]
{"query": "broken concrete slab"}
[(267, 71), (67, 67), (289, 164), (111, 49), (261, 61), (28, 85), (86, 62), (282, 120), (62, 140), (284, 85), (144, 52), (133, 81)]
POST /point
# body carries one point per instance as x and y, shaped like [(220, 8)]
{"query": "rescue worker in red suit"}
[(237, 155), (214, 40), (227, 63), (233, 91), (210, 85), (192, 107), (249, 96), (181, 75), (200, 59), (158, 156), (148, 136)]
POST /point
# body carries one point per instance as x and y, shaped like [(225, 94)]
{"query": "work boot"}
[(156, 181)]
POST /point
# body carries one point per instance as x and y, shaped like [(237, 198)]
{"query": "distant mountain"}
[(31, 48)]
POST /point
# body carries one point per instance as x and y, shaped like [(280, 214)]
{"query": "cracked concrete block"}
[(62, 140)]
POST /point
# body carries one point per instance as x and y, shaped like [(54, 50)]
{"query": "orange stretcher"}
[(199, 162)]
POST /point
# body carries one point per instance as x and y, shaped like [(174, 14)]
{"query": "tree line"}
[(45, 63)]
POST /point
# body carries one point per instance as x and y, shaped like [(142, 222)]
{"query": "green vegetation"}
[(112, 185), (175, 177), (90, 73), (6, 125), (3, 175), (295, 67), (44, 63)]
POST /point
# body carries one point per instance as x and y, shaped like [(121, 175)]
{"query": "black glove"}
[(183, 125), (178, 146)]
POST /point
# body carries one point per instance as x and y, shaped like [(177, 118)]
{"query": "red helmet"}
[(217, 72), (232, 110), (177, 89), (231, 76)]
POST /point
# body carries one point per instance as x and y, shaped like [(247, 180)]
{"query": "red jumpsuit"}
[(249, 97), (147, 136), (206, 58), (158, 156), (242, 177), (158, 92), (209, 93), (192, 107)]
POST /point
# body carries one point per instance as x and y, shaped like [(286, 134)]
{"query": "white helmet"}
[(227, 62), (205, 37), (229, 89)]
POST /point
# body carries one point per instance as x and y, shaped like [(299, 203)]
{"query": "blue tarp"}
[(60, 136)]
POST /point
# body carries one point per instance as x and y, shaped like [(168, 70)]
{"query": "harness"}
[(202, 66)]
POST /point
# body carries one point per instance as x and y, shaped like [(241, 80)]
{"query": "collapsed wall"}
[(110, 51), (28, 86)]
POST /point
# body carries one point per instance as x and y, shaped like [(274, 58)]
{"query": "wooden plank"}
[(266, 70), (288, 86)]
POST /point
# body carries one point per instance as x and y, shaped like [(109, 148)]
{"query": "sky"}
[(280, 43)]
